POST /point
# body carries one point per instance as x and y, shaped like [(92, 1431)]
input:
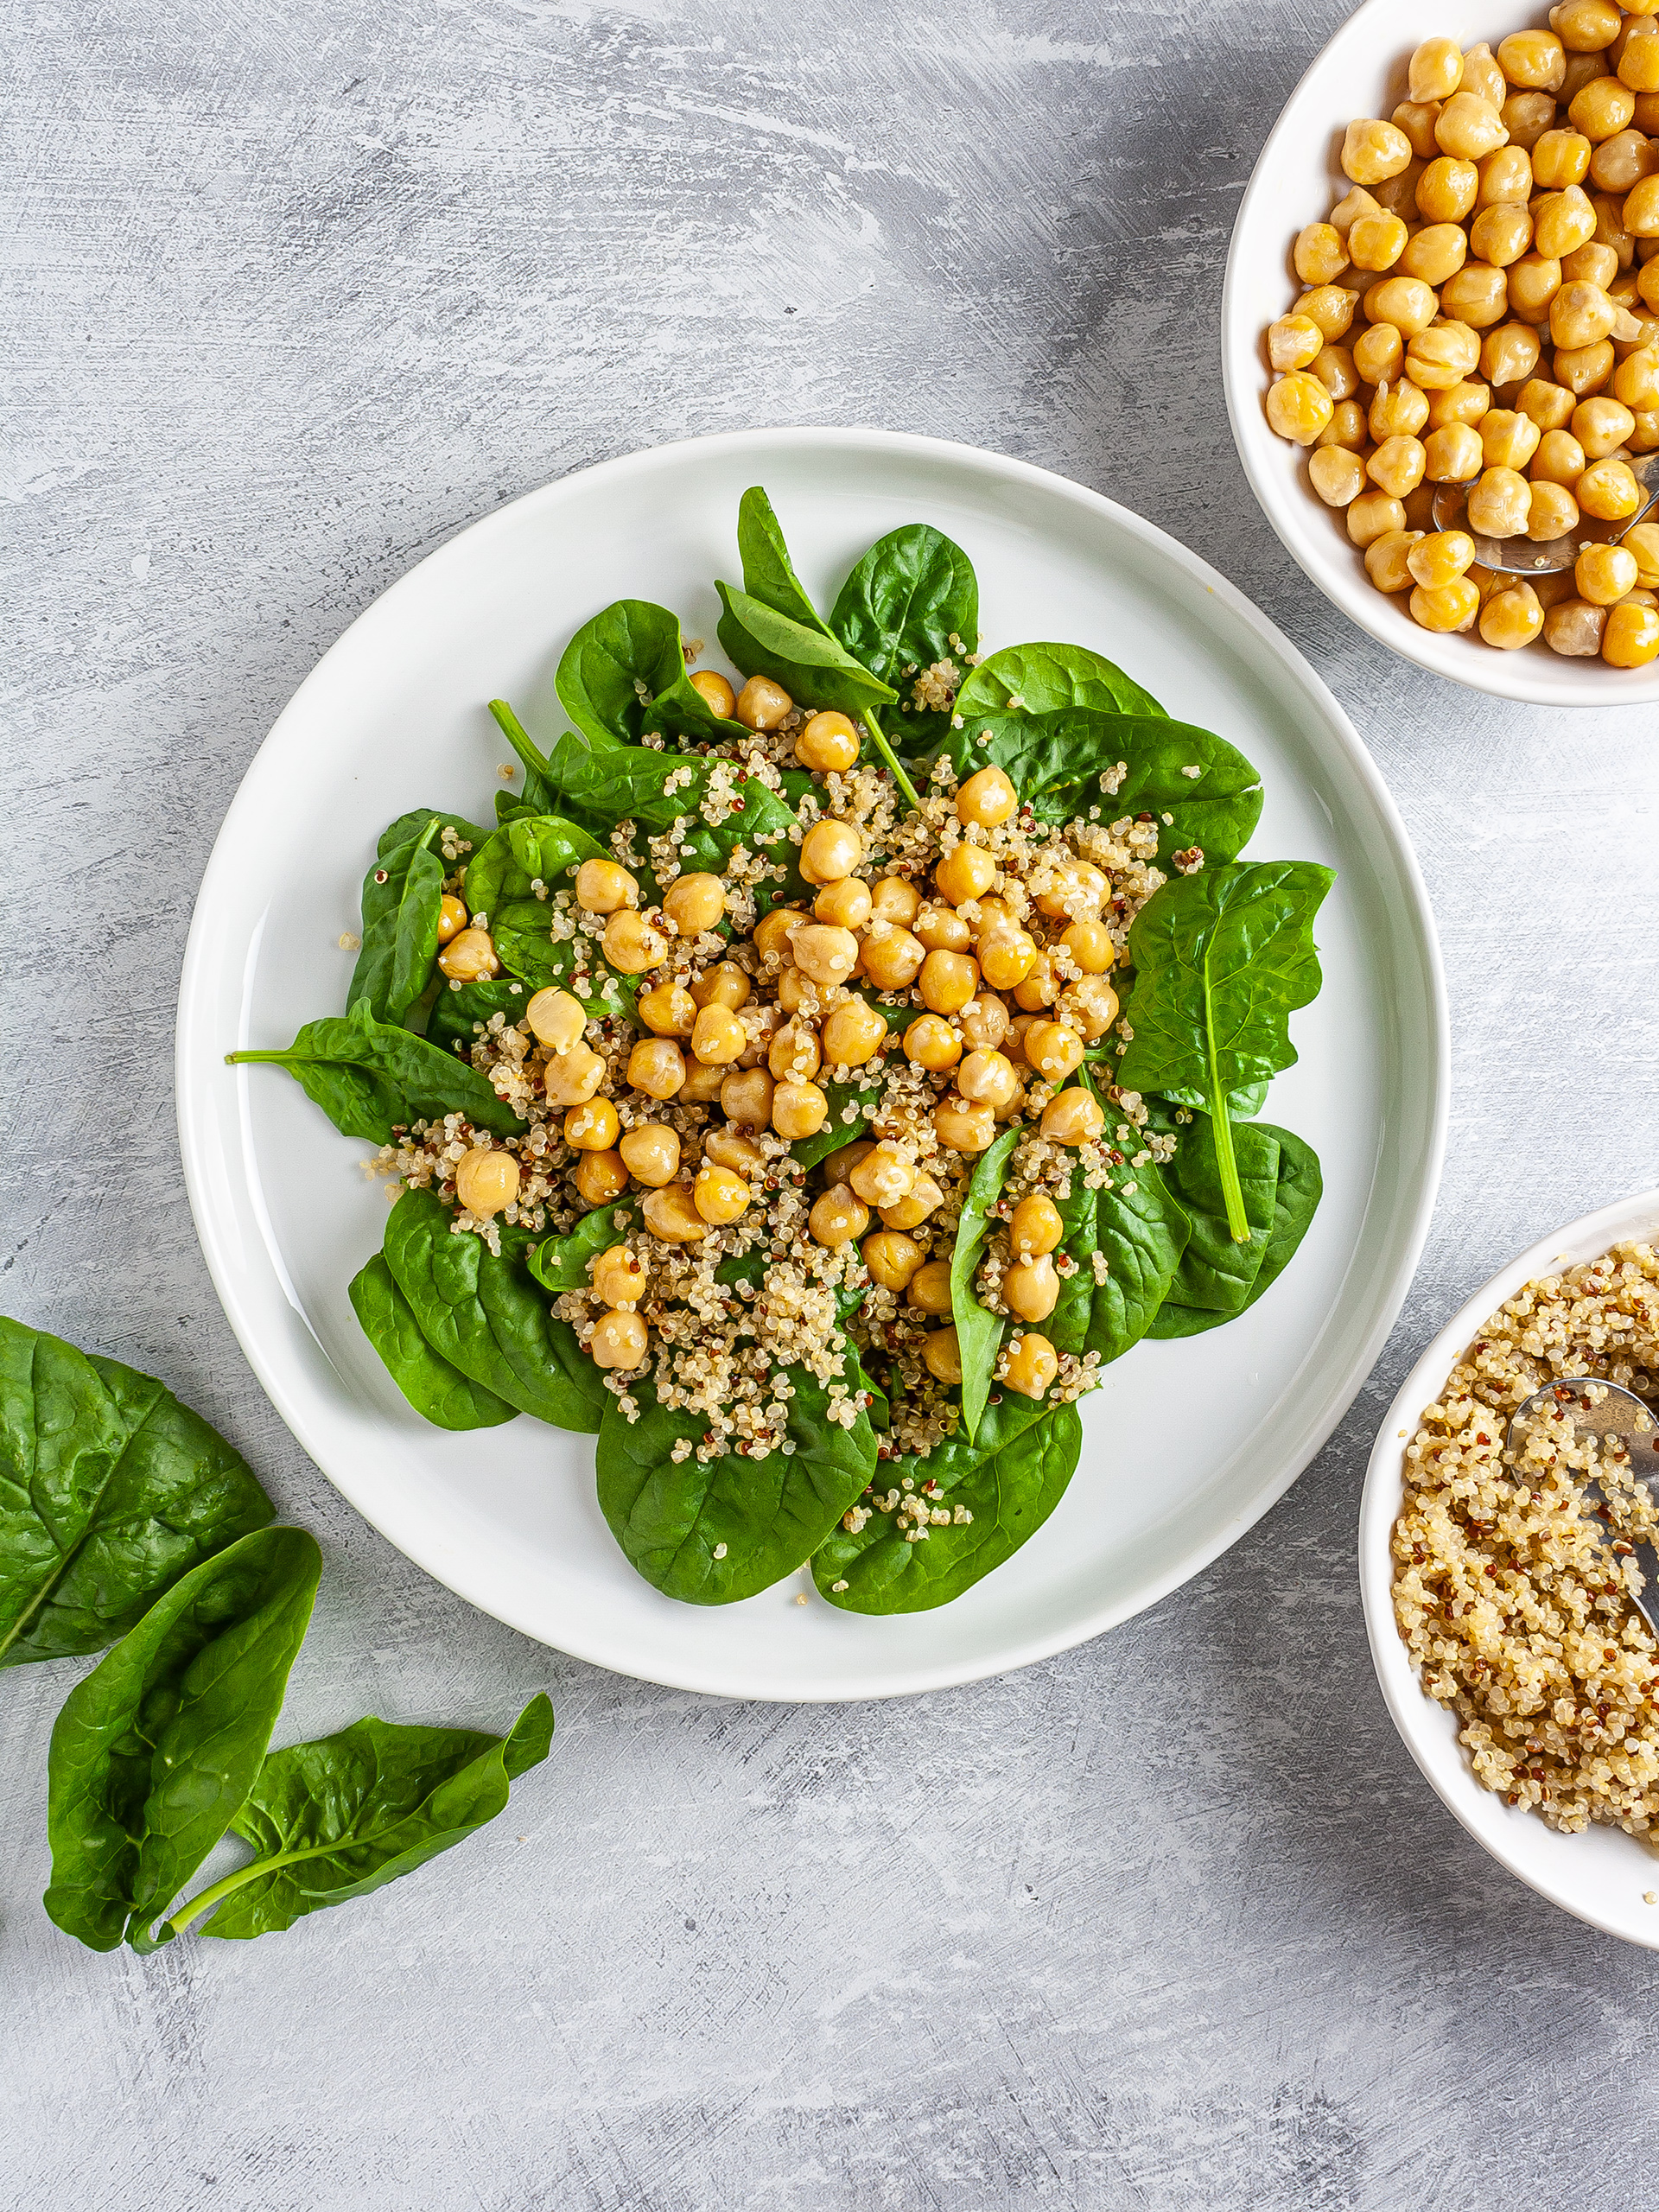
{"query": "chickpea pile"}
[(959, 995), (1481, 308)]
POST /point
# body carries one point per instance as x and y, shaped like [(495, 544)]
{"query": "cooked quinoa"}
[(1514, 1593)]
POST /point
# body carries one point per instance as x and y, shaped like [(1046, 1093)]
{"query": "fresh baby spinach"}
[(109, 1491), (910, 604), (402, 894), (1040, 679), (710, 1532), (1009, 1479), (527, 849), (768, 572), (1141, 1230), (536, 797), (456, 1013), (435, 1388), (613, 668), (371, 1078), (1296, 1198), (812, 666), (1216, 1270), (156, 1750), (838, 1130), (561, 1263), (343, 1816), (979, 1333), (1221, 959)]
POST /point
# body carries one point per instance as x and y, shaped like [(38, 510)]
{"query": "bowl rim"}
[(1504, 1831), (1502, 674)]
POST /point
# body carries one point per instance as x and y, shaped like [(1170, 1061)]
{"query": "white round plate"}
[(1602, 1875), (1297, 181), (1187, 1442)]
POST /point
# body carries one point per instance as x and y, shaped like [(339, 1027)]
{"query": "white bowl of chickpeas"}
[(1444, 278)]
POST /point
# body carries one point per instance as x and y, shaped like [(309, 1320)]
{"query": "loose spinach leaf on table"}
[(435, 1388), (370, 1077), (561, 1263), (979, 1333), (812, 666), (764, 1517), (487, 1316), (1056, 762), (156, 1750), (109, 1491), (1010, 1478), (1216, 1270), (1221, 961), (1045, 677), (615, 667), (343, 1816), (768, 572), (1296, 1199), (912, 592)]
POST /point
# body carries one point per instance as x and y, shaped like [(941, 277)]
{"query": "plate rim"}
[(1499, 675), (1478, 1810), (716, 1681)]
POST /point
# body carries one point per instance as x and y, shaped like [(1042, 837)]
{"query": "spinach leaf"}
[(812, 666), (1296, 1199), (1216, 1270), (486, 1316), (343, 1816), (838, 1131), (1056, 761), (683, 709), (454, 1013), (1221, 960), (764, 1516), (768, 572), (402, 895), (154, 1752), (561, 1263), (371, 1078), (979, 1333), (109, 1491), (536, 798), (1242, 1105), (527, 850), (615, 667), (1143, 1230), (1045, 677), (910, 595), (447, 1397), (1010, 1480), (656, 790)]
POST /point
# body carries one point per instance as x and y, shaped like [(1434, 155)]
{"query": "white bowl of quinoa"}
[(1519, 1671)]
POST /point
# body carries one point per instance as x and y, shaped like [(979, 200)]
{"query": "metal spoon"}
[(1519, 557), (1621, 1417)]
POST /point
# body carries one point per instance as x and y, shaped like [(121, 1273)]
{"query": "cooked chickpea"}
[(1641, 209), (853, 1032), (1604, 574), (941, 929), (830, 850), (883, 1176), (1336, 476), (668, 1009), (1007, 957), (762, 704), (1584, 369), (600, 1177), (1510, 618), (745, 1097), (619, 1340), (968, 871), (452, 916), (1379, 355), (1453, 607), (826, 743), (892, 1257), (701, 1086), (891, 958), (695, 903), (591, 1126), (1601, 426), (718, 1036), (630, 945), (1387, 559), (1373, 150), (1482, 75), (948, 980), (838, 1165), (988, 797), (725, 985), (469, 957), (719, 1194), (1548, 405), (771, 932), (1507, 438), (716, 692), (1436, 252), (930, 1288), (1601, 109), (798, 1109), (1447, 189), (1074, 1117), (1416, 119), (846, 903), (1534, 58), (1373, 515), (657, 1066), (923, 1199), (1299, 408), (650, 1153), (620, 1276), (1562, 220), (1560, 158), (794, 1052), (1436, 69), (1635, 381), (1468, 127), (486, 1180), (1031, 1288), (1510, 355), (605, 888), (570, 1078), (988, 1079), (1499, 503), (1608, 491), (826, 954), (1459, 404), (1477, 295), (1500, 236), (1089, 1006), (1041, 987), (671, 1214), (1586, 26), (941, 1356), (1551, 512), (555, 1019), (1574, 626), (1631, 638), (1397, 466), (984, 1022), (930, 1042), (837, 1217), (1580, 315), (1375, 243), (1439, 560), (1399, 410), (1526, 116), (1453, 455), (1644, 542), (1505, 178), (1320, 253), (963, 1127), (1053, 1050), (896, 901), (1036, 1226), (1031, 1365)]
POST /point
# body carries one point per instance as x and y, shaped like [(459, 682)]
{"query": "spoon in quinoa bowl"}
[(820, 1074)]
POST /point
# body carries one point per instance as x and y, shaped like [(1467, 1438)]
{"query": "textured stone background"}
[(294, 293)]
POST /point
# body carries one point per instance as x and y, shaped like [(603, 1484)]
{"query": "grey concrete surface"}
[(293, 293)]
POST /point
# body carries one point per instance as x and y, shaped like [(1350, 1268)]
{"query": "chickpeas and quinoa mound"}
[(951, 967), (1515, 1596), (1481, 308)]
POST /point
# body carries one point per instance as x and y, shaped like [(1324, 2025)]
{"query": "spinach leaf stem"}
[(891, 758)]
